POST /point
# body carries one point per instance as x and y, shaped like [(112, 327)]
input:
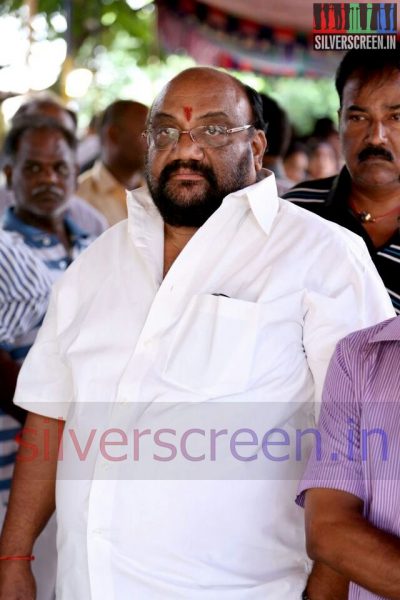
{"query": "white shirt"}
[(124, 349)]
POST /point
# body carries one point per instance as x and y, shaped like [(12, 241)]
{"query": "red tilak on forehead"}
[(188, 112)]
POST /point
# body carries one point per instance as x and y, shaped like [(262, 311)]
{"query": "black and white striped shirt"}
[(328, 198), (24, 294), (24, 288)]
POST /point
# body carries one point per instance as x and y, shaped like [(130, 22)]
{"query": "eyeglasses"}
[(205, 136)]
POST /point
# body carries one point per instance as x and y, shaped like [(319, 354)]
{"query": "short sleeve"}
[(353, 297), (44, 384), (24, 289)]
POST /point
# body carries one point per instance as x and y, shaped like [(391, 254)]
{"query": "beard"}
[(185, 205)]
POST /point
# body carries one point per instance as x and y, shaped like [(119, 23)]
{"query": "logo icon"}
[(360, 25)]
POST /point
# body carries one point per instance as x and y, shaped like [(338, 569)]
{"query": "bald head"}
[(121, 111), (121, 127), (204, 80), (200, 77)]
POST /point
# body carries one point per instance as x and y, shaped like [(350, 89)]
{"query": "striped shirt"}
[(24, 288), (24, 291), (48, 248), (329, 198), (358, 448)]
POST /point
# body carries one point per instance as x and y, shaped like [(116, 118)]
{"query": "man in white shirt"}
[(185, 350)]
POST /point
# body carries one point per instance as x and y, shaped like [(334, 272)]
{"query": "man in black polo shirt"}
[(365, 196)]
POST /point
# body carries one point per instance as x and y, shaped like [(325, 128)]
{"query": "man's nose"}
[(186, 148), (377, 133)]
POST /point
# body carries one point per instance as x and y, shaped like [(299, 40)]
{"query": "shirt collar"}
[(73, 228), (140, 196), (104, 178), (340, 189), (13, 223), (262, 197), (389, 331)]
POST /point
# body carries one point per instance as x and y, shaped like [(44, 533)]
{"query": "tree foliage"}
[(99, 21), (119, 45)]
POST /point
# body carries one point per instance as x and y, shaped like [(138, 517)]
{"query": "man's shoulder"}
[(86, 216), (365, 352), (99, 258), (13, 224), (300, 221), (313, 192), (92, 270), (364, 339), (357, 352), (19, 261), (95, 177), (113, 236), (10, 240)]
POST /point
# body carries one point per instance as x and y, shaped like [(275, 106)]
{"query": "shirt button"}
[(46, 241), (62, 264), (97, 532)]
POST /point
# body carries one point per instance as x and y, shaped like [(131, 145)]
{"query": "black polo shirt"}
[(328, 198)]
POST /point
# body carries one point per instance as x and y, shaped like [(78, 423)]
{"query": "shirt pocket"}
[(212, 348)]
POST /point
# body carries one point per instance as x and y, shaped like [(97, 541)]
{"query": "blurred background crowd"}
[(92, 53)]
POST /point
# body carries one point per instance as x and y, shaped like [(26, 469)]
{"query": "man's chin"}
[(379, 172), (187, 192), (191, 209), (50, 209)]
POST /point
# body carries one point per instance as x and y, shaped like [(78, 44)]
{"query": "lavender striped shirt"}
[(357, 449)]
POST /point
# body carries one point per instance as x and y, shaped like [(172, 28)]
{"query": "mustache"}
[(47, 189), (191, 164), (375, 151)]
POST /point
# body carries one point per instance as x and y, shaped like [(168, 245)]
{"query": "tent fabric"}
[(295, 14), (251, 36)]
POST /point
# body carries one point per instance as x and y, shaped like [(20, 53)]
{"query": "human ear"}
[(112, 133), (7, 170), (258, 147)]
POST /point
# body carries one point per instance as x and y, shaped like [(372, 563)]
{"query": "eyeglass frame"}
[(147, 134)]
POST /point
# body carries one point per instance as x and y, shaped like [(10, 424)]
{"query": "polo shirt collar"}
[(75, 231), (12, 223), (389, 331), (37, 236), (340, 189), (337, 209)]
